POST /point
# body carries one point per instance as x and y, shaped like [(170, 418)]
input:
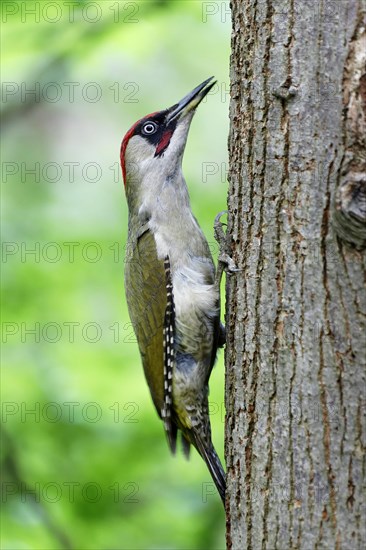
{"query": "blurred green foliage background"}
[(85, 463)]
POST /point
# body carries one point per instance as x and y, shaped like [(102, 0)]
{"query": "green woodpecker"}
[(172, 297)]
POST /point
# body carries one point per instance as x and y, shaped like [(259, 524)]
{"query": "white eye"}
[(149, 128)]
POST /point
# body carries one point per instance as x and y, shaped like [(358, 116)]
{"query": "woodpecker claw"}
[(229, 263), (224, 257), (219, 234)]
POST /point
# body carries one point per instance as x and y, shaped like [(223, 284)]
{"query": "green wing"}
[(145, 284)]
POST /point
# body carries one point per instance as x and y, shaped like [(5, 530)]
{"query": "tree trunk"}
[(296, 310)]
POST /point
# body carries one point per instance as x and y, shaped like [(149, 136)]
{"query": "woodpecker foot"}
[(225, 261), (228, 262), (219, 234)]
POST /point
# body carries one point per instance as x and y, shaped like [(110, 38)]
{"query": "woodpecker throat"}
[(173, 302)]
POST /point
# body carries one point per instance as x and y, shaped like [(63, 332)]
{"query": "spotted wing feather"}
[(169, 359)]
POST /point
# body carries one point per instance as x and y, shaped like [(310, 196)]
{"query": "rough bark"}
[(296, 311)]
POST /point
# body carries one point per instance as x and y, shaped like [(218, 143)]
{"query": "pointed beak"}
[(190, 101)]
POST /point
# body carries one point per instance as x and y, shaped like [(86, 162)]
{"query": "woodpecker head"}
[(153, 147)]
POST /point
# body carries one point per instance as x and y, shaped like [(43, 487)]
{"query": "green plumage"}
[(146, 300)]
